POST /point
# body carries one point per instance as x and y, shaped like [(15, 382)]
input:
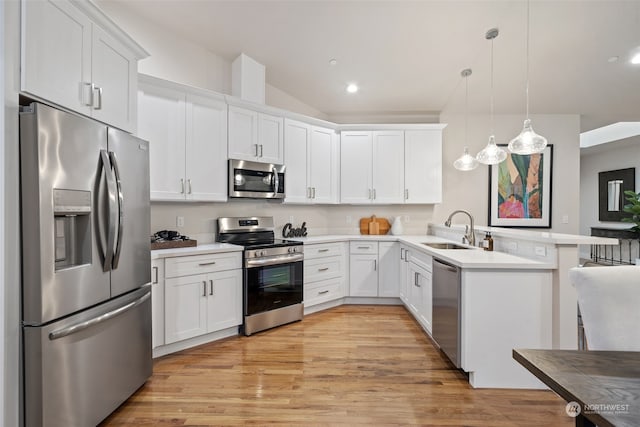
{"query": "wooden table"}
[(606, 384)]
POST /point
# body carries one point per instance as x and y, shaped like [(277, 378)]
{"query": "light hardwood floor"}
[(351, 365)]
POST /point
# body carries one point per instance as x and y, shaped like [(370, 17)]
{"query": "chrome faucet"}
[(469, 234)]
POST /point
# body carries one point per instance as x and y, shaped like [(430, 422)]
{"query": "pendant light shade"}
[(466, 162), (491, 154), (527, 142)]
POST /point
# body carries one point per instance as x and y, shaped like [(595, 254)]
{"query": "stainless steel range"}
[(273, 269)]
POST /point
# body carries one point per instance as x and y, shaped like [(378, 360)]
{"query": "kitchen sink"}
[(446, 246)]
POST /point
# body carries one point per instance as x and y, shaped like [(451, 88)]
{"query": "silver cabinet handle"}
[(189, 186), (211, 287), (374, 194), (204, 288), (87, 94), (102, 318), (323, 269), (308, 192), (202, 264), (416, 279), (406, 194), (406, 255), (401, 253), (323, 250), (375, 265), (256, 145), (260, 150), (363, 247), (323, 292), (181, 185), (99, 91), (155, 269), (314, 192)]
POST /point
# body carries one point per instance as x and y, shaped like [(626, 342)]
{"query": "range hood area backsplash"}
[(200, 218)]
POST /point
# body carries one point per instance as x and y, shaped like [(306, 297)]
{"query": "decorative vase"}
[(396, 227)]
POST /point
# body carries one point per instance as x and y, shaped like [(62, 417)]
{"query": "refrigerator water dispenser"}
[(72, 228)]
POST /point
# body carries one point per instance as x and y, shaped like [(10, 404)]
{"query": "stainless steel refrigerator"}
[(86, 309)]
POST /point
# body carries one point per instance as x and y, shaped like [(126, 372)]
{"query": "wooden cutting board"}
[(174, 244), (374, 225)]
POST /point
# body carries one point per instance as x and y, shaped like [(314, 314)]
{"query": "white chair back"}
[(609, 301)]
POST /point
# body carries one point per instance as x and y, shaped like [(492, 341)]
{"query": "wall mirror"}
[(611, 188)]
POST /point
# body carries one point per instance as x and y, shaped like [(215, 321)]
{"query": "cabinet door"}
[(363, 276), (206, 149), (270, 139), (296, 143), (243, 134), (322, 171), (424, 279), (355, 167), (403, 274), (224, 300), (157, 302), (185, 307), (415, 290), (388, 167), (56, 53), (389, 269), (113, 71), (161, 121), (423, 166)]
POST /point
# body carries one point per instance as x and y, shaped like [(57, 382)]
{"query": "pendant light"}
[(527, 142), (466, 162), (491, 154)]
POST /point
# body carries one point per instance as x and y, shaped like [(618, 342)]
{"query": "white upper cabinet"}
[(187, 136), (255, 136), (311, 163), (74, 56), (388, 167), (423, 166), (372, 167), (356, 166)]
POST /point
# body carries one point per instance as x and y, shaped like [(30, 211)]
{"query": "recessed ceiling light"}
[(635, 59), (333, 61), (613, 59), (352, 88)]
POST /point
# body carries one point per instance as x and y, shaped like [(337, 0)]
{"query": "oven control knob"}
[(259, 253)]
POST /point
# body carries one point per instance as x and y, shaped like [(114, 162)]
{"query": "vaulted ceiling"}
[(407, 56)]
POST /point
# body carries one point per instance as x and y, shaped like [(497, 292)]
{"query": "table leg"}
[(582, 421)]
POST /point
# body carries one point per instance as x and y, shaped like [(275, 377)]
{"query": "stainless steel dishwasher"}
[(446, 309)]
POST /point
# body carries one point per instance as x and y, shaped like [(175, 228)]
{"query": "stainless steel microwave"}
[(256, 180)]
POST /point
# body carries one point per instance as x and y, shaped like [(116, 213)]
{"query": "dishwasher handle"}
[(445, 266)]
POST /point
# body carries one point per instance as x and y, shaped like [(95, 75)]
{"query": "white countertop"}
[(210, 248)]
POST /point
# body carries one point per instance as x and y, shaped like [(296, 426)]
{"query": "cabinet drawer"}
[(419, 258), (322, 268), (325, 290), (322, 250), (363, 248), (197, 264)]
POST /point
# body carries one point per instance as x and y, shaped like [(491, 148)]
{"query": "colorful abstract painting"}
[(520, 190)]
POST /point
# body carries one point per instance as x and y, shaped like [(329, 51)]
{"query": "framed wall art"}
[(611, 188), (520, 190)]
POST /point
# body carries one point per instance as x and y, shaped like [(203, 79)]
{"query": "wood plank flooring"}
[(351, 365)]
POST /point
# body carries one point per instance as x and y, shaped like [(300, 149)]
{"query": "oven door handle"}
[(274, 260)]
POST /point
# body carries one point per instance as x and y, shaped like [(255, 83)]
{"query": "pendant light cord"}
[(492, 85), (527, 63), (466, 107)]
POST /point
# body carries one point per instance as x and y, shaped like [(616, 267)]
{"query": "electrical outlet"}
[(541, 251), (565, 219), (511, 247), (348, 219), (291, 219), (179, 221)]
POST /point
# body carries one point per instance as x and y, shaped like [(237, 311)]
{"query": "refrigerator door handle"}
[(96, 320), (111, 197), (118, 247)]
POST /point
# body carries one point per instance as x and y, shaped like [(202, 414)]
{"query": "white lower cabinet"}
[(209, 301), (324, 273), (157, 302), (374, 269), (419, 288), (403, 274)]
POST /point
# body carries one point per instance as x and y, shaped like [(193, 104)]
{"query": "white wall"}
[(469, 190), (615, 155)]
